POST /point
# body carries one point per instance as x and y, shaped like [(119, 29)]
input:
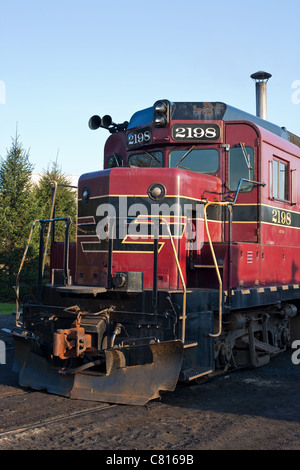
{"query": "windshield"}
[(146, 159), (202, 160)]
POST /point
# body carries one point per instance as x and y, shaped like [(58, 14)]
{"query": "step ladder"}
[(192, 373)]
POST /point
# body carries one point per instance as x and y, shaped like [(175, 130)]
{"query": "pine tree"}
[(21, 204), (15, 189), (65, 202), (17, 212)]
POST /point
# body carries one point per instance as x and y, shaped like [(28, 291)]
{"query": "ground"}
[(250, 409)]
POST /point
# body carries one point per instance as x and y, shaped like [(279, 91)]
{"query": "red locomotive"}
[(186, 263)]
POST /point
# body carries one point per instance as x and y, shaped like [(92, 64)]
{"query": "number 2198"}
[(195, 133), (190, 132), (281, 217)]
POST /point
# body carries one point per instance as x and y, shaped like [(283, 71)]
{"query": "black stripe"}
[(241, 213), (278, 216)]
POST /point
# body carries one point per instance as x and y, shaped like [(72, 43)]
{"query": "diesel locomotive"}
[(186, 262)]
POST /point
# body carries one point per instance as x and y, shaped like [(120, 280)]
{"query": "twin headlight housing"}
[(161, 113)]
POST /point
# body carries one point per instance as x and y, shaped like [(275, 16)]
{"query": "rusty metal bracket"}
[(71, 342)]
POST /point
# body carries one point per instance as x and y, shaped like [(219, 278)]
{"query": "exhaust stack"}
[(261, 79)]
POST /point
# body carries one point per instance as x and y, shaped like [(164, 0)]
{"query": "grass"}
[(7, 308)]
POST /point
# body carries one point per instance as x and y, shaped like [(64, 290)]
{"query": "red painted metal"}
[(263, 253)]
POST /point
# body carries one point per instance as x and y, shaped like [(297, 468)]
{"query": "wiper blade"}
[(115, 157), (185, 155), (246, 156), (152, 156)]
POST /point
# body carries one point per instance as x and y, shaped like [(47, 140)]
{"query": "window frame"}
[(281, 194)]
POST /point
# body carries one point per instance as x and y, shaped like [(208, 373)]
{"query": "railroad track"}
[(55, 419), (12, 394)]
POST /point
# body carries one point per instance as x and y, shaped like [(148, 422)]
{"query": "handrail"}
[(215, 263), (17, 286), (240, 184), (54, 183), (231, 203), (182, 280)]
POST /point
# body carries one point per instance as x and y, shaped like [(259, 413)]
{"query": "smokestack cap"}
[(261, 76)]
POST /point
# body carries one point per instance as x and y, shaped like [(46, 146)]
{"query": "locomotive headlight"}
[(160, 121), (156, 191), (161, 113), (160, 107)]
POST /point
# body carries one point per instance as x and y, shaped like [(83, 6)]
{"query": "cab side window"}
[(280, 180)]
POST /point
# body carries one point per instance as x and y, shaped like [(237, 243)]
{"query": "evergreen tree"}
[(17, 212), (65, 201), (21, 204), (17, 208)]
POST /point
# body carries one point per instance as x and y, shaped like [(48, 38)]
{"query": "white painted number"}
[(195, 133), (136, 138)]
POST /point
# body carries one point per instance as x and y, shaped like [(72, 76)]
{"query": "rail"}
[(55, 419), (229, 204)]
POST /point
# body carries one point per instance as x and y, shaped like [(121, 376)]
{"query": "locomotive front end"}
[(111, 325)]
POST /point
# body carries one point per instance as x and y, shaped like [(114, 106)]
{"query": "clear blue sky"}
[(63, 61)]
